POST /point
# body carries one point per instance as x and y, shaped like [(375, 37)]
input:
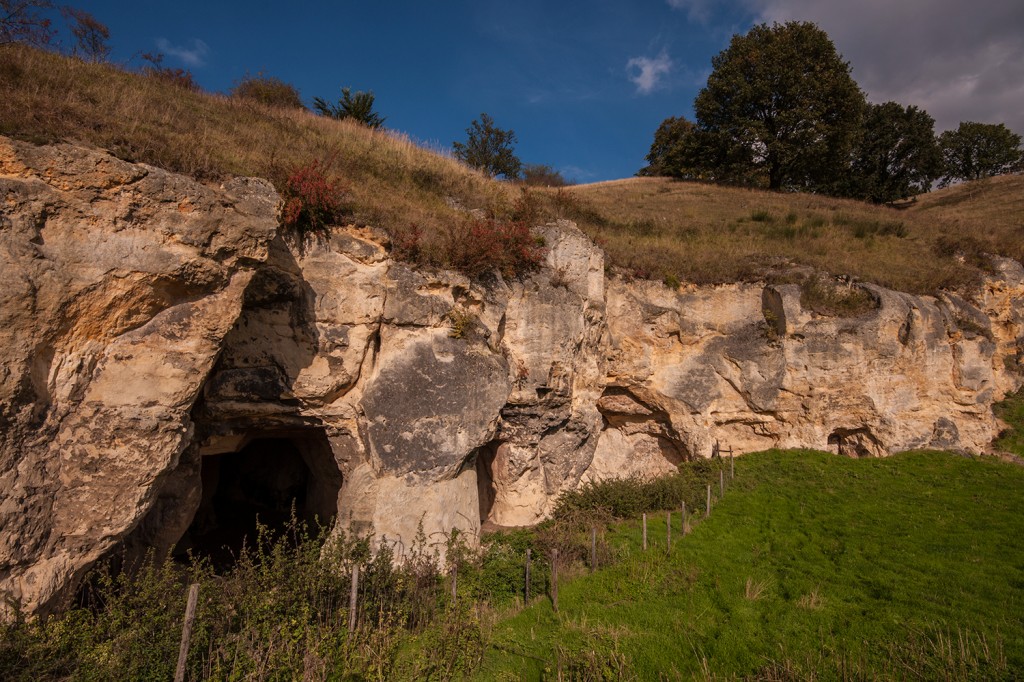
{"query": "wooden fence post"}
[(721, 483), (645, 531), (707, 508), (554, 579), (352, 597), (593, 549), (668, 532), (186, 631), (526, 592)]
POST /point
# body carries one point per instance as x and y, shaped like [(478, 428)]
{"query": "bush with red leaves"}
[(408, 244), (486, 244), (312, 200)]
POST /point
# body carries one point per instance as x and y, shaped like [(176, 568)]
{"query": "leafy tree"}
[(675, 152), (90, 35), (25, 21), (979, 150), (779, 108), (270, 91), (489, 148), (543, 175), (358, 107), (897, 155)]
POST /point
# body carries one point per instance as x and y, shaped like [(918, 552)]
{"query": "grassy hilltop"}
[(649, 227), (711, 234)]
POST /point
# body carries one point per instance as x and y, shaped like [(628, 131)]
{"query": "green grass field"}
[(812, 567)]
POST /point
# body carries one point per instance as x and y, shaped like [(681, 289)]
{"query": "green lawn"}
[(812, 566)]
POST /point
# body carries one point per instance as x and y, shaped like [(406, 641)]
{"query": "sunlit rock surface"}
[(151, 327)]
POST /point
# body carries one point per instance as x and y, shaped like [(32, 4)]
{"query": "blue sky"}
[(583, 84)]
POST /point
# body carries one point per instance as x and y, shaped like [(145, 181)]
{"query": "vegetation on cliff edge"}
[(434, 207)]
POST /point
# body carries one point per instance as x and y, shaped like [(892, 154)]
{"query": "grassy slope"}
[(996, 203), (392, 183), (860, 563), (650, 227), (709, 234)]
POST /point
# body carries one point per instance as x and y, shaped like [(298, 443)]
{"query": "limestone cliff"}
[(150, 326)]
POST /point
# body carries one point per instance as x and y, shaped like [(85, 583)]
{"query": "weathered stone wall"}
[(147, 321)]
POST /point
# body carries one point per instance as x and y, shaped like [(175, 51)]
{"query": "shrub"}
[(281, 612), (312, 199), (542, 175), (270, 91), (179, 78), (1011, 410), (629, 497), (357, 107), (407, 244), (486, 244)]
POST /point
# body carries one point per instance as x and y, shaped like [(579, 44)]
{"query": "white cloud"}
[(193, 54), (646, 73), (959, 62), (696, 10)]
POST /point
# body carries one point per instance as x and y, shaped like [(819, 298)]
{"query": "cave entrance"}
[(858, 442), (261, 482), (486, 489)]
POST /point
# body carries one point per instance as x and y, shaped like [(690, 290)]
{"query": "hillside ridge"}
[(427, 202)]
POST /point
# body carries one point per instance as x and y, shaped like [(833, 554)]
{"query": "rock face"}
[(157, 334), (118, 285)]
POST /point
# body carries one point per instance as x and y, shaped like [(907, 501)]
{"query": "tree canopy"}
[(490, 149), (897, 155), (25, 21), (980, 150), (90, 35), (673, 153), (358, 107), (780, 107)]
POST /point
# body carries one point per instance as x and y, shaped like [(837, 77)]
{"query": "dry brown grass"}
[(649, 227), (755, 589), (990, 209), (393, 183), (686, 231)]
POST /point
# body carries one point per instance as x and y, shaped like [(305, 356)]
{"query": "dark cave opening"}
[(857, 442), (261, 484), (487, 491)]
